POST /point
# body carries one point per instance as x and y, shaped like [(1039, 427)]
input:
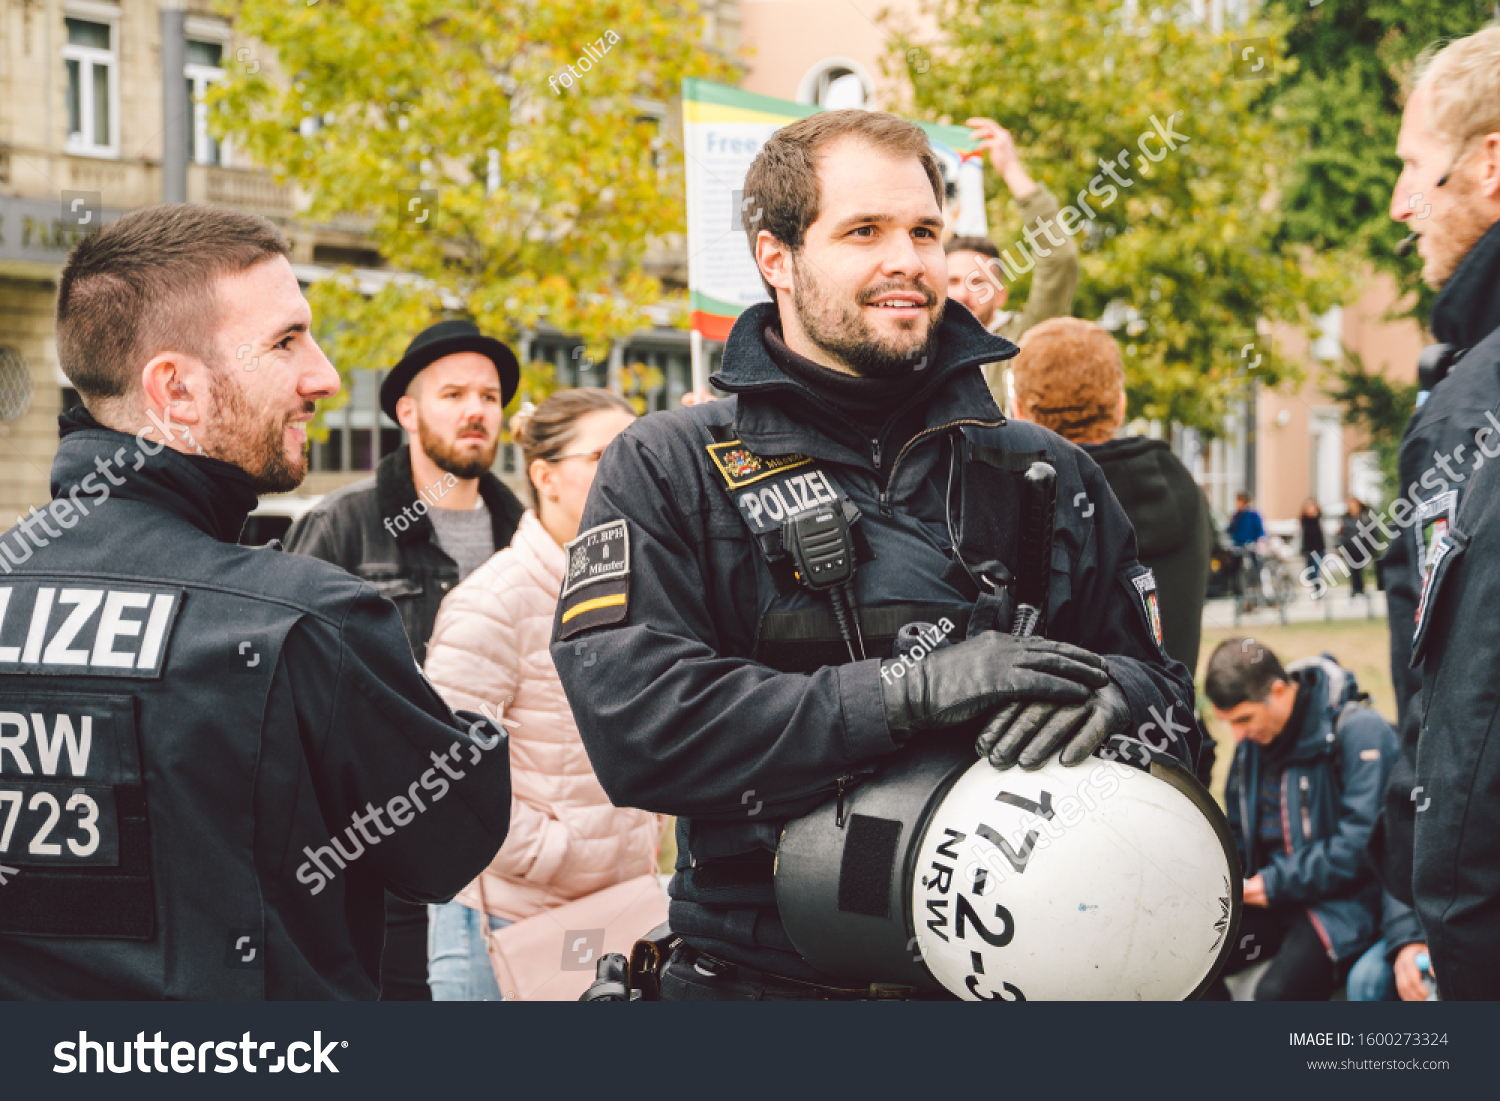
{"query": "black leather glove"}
[(1029, 733), (973, 677)]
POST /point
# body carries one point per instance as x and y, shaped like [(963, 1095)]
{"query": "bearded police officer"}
[(730, 610), (214, 760), (1441, 825)]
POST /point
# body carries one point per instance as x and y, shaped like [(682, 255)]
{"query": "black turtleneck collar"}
[(1468, 309), (868, 401), (212, 495), (1281, 746)]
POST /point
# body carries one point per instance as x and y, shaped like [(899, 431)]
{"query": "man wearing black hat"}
[(432, 514)]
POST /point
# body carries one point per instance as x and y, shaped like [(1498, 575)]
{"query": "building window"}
[(836, 83), (359, 433), (93, 88), (202, 69)]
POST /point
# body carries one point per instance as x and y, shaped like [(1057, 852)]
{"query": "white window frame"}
[(211, 31), (202, 76), (89, 58), (807, 88)]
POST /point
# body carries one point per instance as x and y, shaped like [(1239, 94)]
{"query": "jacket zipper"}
[(1286, 833), (885, 490), (843, 785), (1286, 821), (1250, 828)]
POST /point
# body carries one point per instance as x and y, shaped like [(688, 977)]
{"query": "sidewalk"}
[(1218, 614)]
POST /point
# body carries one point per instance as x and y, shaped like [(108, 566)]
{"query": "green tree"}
[(1346, 94), (506, 157), (1379, 406), (1191, 257)]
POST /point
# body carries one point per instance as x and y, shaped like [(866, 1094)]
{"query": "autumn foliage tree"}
[(1189, 261), (434, 128)]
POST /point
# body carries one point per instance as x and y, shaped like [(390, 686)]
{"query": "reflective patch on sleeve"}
[(1369, 754), (1145, 588), (596, 588), (1434, 517)]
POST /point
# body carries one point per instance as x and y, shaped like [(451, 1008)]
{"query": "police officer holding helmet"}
[(728, 629), (214, 759)]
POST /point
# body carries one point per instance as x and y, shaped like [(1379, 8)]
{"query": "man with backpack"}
[(1304, 788)]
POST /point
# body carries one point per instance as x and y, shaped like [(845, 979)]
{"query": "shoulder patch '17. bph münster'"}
[(596, 586)]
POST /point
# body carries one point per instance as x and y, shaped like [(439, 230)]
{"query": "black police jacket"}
[(214, 759), (1441, 451), (1174, 531), (375, 530), (1455, 794), (708, 685)]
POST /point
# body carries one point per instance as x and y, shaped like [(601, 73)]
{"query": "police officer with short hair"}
[(730, 612), (1438, 844), (214, 759)]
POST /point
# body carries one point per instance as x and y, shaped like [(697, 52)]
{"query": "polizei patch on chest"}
[(597, 585)]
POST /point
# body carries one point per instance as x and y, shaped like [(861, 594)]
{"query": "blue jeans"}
[(458, 967), (1372, 979)]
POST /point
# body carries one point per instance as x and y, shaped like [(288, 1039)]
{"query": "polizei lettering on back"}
[(66, 629)]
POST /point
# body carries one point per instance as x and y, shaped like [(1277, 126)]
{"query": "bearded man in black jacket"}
[(1439, 844)]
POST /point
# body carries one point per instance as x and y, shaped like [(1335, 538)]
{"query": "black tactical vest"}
[(907, 573)]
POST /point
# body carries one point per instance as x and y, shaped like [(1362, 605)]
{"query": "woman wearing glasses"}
[(488, 653)]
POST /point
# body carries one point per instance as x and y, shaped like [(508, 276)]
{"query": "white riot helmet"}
[(1097, 882)]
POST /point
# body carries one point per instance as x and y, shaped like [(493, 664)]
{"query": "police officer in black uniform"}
[(214, 759), (726, 628), (1438, 843)]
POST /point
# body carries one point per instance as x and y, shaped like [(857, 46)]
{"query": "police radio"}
[(822, 548)]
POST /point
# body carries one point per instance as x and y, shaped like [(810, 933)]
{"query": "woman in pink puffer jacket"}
[(489, 653)]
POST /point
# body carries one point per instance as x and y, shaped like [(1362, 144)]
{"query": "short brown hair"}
[(146, 284), (546, 431), (1069, 378), (982, 245), (1241, 670), (781, 188)]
